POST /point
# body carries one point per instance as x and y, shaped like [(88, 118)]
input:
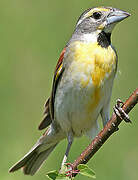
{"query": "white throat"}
[(91, 37)]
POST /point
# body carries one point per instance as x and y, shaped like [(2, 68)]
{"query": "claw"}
[(119, 102), (71, 171), (120, 112)]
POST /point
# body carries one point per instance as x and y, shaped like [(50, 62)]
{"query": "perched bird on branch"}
[(82, 86)]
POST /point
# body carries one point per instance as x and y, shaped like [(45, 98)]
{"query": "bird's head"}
[(99, 19)]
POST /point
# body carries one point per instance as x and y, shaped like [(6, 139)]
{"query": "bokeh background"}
[(32, 35)]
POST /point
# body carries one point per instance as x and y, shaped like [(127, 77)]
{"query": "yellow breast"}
[(97, 63), (101, 60)]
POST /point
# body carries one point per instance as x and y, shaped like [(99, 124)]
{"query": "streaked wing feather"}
[(57, 76), (46, 119), (49, 105)]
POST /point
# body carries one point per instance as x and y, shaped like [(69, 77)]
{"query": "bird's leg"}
[(120, 112), (70, 171), (70, 141)]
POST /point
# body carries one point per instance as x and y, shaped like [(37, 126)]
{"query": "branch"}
[(105, 133)]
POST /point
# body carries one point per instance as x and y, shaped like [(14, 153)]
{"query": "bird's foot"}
[(120, 112), (71, 171)]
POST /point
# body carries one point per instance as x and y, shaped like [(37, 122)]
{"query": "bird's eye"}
[(97, 15)]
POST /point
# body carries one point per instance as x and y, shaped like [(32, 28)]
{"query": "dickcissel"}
[(82, 86)]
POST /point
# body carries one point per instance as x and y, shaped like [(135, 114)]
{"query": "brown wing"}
[(49, 105), (47, 119)]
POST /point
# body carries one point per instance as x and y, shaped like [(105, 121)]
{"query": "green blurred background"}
[(32, 35)]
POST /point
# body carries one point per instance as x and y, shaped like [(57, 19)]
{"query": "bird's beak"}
[(116, 16)]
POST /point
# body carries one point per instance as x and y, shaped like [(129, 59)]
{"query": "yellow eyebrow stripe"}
[(94, 10)]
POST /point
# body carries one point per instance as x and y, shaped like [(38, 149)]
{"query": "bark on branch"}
[(106, 132)]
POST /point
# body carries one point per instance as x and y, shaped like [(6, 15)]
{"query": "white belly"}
[(77, 107)]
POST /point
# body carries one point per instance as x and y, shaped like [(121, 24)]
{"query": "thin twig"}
[(106, 132)]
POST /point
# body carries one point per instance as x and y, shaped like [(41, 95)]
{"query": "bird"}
[(82, 86)]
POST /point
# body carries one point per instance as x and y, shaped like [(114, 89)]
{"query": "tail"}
[(33, 160)]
